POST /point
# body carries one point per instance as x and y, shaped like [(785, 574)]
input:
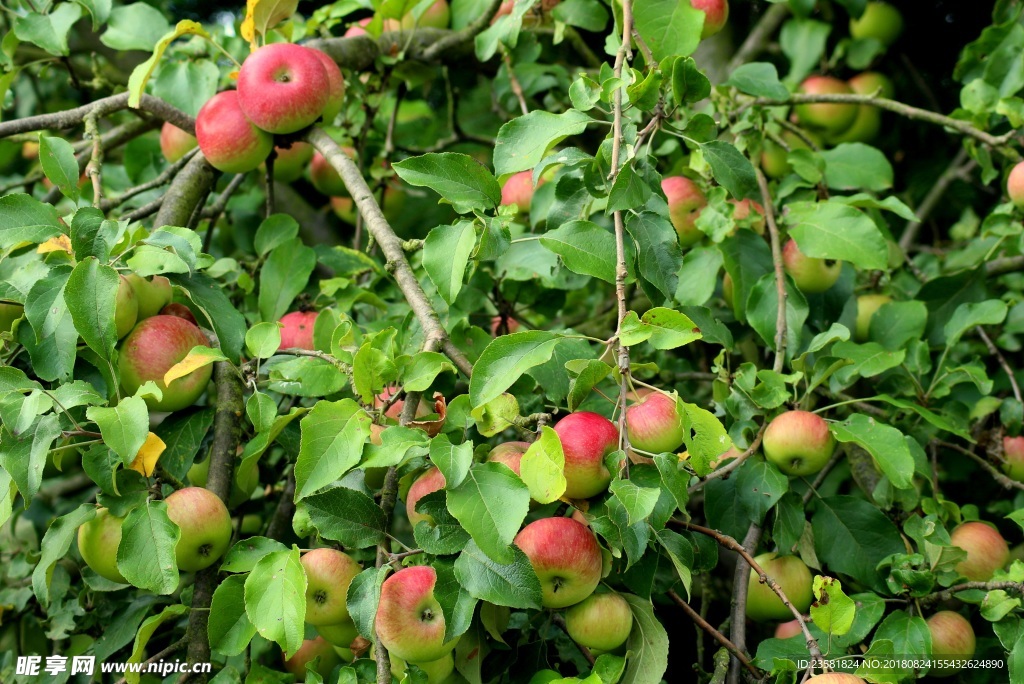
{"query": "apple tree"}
[(527, 341)]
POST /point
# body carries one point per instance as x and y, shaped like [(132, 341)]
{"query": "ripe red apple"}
[(518, 190), (716, 13), (310, 649), (505, 8), (789, 629), (151, 349), (509, 453), (685, 201), (986, 550), (175, 143), (794, 579), (181, 311), (811, 275), (828, 117), (836, 678), (868, 123), (867, 305), (952, 638), (9, 313), (394, 411), (126, 307), (880, 21), (98, 540), (282, 87), (328, 574), (291, 162), (430, 481), (409, 619), (566, 557), (586, 439), (600, 621), (151, 295), (336, 94), (229, 141), (511, 325), (741, 212), (1013, 458), (325, 178), (358, 28), (799, 443), (437, 16), (653, 423), (205, 527), (297, 330), (345, 209), (1015, 184)]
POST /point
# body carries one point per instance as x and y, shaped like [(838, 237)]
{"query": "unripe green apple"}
[(880, 21), (794, 579), (310, 649), (297, 330), (952, 638), (229, 141), (151, 295), (290, 162), (126, 308), (1015, 184), (986, 549), (283, 87), (774, 157), (716, 13), (328, 574), (341, 634), (586, 439), (430, 481), (828, 117), (151, 349), (437, 16), (685, 201), (175, 143), (437, 671), (205, 527), (600, 621), (799, 443), (867, 305), (653, 423), (1013, 458), (9, 312), (566, 557), (409, 620), (868, 123), (728, 291), (98, 540), (509, 453), (544, 677), (811, 275)]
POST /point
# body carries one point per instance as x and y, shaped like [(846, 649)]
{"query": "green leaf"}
[(759, 79), (856, 166), (263, 340), (453, 460), (669, 27), (187, 85), (274, 231), (347, 516), (124, 427), (505, 360), (542, 467), (90, 295), (145, 556), (523, 141), (275, 599), (731, 169), (461, 180), (284, 275), (909, 636), (629, 191), (589, 15), (183, 433), (243, 556), (209, 297), (513, 584), (662, 327), (689, 84), (832, 610), (48, 31), (674, 478), (57, 157), (648, 643), (658, 253), (832, 230), (884, 442), (704, 435), (680, 552), (363, 597), (230, 629), (763, 311), (420, 374), (852, 536), (446, 252), (56, 543), (26, 220), (333, 435), (145, 633), (92, 235), (760, 486), (803, 43), (135, 27), (584, 375), (969, 315), (585, 248), (491, 504)]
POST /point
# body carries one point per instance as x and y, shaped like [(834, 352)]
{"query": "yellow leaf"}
[(137, 81), (61, 243), (149, 454), (263, 15), (195, 359)]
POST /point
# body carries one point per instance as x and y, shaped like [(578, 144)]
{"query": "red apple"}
[(181, 311), (811, 275), (986, 549), (794, 579), (510, 325), (789, 629), (586, 439), (828, 117), (98, 540), (716, 12), (1013, 458), (799, 443), (600, 621), (325, 178), (297, 330), (328, 574), (509, 453), (952, 638), (282, 87), (430, 481), (175, 143), (229, 141), (685, 201), (518, 190), (880, 21), (126, 307), (151, 349), (409, 619), (394, 411), (1015, 184), (358, 28), (653, 423), (336, 95), (345, 209), (310, 649), (205, 527), (566, 557), (291, 162)]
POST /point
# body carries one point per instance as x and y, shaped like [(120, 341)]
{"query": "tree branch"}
[(718, 636), (759, 36), (780, 275), (734, 463), (99, 108), (463, 36), (188, 189), (947, 594), (165, 176), (956, 169), (740, 580), (1003, 480)]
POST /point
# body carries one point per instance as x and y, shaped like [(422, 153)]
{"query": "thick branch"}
[(390, 245), (463, 36), (718, 636), (186, 192), (1004, 265), (99, 108)]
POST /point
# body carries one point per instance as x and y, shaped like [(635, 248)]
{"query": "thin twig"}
[(958, 168), (165, 176), (718, 636), (759, 36), (734, 463), (1003, 480), (947, 594), (517, 88), (465, 35), (992, 349), (780, 274), (170, 650), (740, 580)]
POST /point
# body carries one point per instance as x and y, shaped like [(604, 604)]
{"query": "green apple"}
[(867, 305), (437, 671), (830, 118), (566, 557), (799, 443), (793, 577), (98, 540), (986, 549), (544, 677), (205, 526), (811, 275), (9, 312), (1013, 458), (880, 21), (952, 638), (409, 620), (868, 123), (341, 634), (126, 308), (600, 621), (151, 295), (328, 575)]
